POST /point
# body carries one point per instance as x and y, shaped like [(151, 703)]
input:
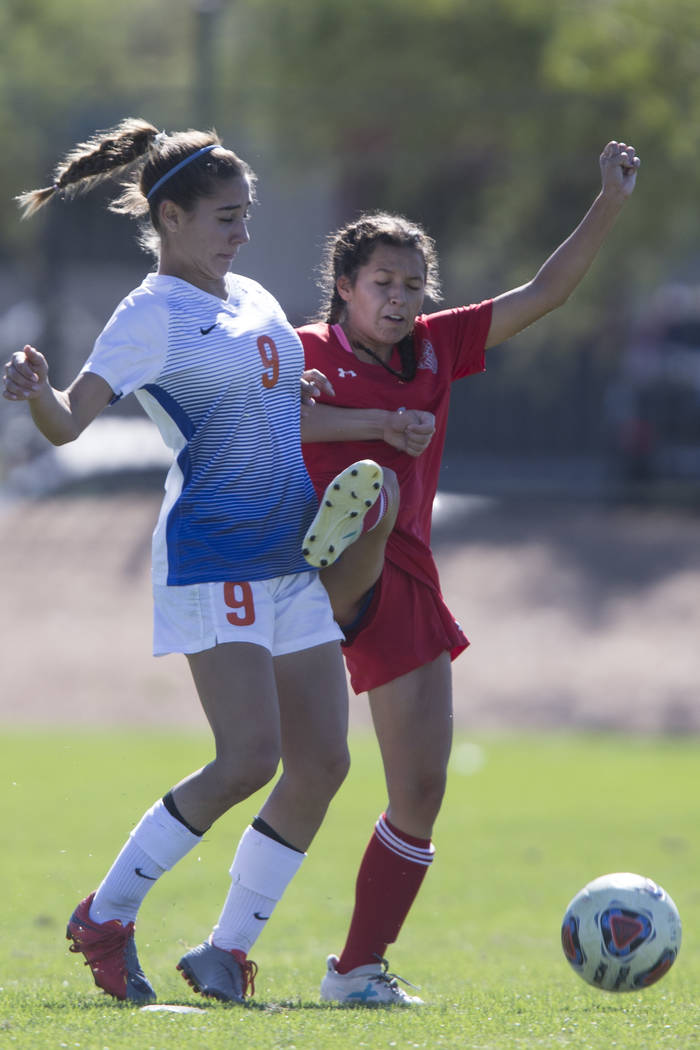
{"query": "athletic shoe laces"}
[(248, 971), (390, 978), (112, 944)]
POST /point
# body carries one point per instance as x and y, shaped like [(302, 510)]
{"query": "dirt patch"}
[(580, 616)]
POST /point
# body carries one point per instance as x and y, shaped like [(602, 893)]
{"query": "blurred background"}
[(483, 120)]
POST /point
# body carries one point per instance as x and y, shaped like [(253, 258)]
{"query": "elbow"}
[(554, 297), (548, 295), (61, 439), (60, 435), (557, 302)]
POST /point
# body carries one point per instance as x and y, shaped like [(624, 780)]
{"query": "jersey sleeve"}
[(315, 346), (132, 347), (462, 334)]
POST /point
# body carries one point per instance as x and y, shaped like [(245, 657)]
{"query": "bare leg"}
[(238, 692), (314, 718), (413, 721), (311, 727), (360, 566)]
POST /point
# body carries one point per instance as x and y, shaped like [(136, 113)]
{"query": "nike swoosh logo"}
[(151, 878), (261, 918), (206, 331)]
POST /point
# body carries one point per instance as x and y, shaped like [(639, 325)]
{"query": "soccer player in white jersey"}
[(214, 362)]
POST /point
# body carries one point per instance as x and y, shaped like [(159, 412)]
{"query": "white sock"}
[(261, 871), (154, 846), (125, 885)]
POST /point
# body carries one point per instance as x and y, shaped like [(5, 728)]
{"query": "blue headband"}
[(168, 174)]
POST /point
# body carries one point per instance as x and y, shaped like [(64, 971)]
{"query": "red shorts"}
[(406, 625)]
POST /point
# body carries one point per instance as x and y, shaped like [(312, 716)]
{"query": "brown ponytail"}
[(105, 154), (150, 163)]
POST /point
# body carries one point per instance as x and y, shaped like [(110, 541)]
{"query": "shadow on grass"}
[(205, 1005)]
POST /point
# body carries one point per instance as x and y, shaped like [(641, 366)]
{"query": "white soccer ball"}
[(621, 932)]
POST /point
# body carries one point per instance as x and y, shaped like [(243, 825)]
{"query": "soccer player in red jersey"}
[(380, 352)]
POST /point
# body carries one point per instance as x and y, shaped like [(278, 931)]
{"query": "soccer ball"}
[(621, 932)]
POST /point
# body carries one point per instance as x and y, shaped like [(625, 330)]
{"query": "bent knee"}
[(393, 497), (322, 776), (340, 767), (241, 779), (391, 484), (333, 769)]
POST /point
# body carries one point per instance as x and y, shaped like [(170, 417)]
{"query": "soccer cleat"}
[(218, 974), (110, 952), (370, 985), (339, 518)]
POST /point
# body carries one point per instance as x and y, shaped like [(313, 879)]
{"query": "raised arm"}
[(564, 269), (60, 415)]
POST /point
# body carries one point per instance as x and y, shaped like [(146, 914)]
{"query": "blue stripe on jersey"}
[(245, 498), (174, 410)]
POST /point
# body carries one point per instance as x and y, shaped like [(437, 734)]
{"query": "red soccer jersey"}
[(450, 344)]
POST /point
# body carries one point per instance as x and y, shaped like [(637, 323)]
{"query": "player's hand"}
[(26, 375), (313, 384), (619, 165), (410, 430)]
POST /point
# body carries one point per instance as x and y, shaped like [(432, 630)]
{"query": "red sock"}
[(390, 875), (376, 512)]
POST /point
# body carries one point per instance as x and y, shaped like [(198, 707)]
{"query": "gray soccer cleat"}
[(218, 974), (339, 518)]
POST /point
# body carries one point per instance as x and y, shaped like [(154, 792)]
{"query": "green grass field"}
[(527, 821)]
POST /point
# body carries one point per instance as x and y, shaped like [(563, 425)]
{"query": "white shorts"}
[(283, 614)]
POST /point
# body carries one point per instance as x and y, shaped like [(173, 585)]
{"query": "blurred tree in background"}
[(482, 119), (485, 118), (68, 67)]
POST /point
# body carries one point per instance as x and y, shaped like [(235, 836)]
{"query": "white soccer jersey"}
[(220, 378)]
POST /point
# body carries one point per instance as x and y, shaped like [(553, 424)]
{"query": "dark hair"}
[(352, 246), (141, 153)]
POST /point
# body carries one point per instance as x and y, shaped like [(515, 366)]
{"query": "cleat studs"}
[(354, 473), (353, 513), (376, 485), (368, 503), (328, 503), (336, 487), (324, 562), (331, 549), (305, 551)]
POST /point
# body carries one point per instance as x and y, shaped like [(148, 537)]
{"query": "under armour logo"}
[(428, 357), (342, 372)]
